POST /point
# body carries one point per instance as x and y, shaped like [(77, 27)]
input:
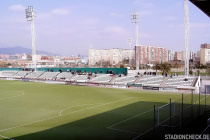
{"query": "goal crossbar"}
[(159, 108)]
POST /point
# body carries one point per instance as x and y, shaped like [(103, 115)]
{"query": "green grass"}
[(39, 111)]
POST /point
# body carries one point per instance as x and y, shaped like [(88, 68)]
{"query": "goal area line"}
[(127, 131)]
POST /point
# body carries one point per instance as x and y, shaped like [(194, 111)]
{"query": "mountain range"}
[(21, 50)]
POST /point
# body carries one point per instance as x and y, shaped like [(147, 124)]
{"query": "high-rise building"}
[(109, 56), (205, 46), (181, 56), (171, 55), (191, 55), (177, 56), (205, 54), (152, 54), (98, 56), (120, 55)]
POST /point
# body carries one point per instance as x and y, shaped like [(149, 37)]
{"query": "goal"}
[(164, 113)]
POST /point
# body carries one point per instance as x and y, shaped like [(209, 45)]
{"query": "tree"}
[(176, 65), (191, 72), (165, 67), (208, 70), (156, 67), (122, 66), (9, 64), (197, 66), (198, 72)]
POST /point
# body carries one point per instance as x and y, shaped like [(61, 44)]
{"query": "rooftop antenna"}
[(186, 36), (129, 41), (135, 18), (30, 16)]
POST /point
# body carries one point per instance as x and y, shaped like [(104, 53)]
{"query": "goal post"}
[(166, 109)]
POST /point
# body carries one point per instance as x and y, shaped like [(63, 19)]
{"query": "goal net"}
[(164, 113)]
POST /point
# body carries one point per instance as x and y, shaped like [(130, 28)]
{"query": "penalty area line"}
[(61, 115), (139, 134), (130, 118), (6, 137)]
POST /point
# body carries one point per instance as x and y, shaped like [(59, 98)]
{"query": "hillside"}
[(20, 50)]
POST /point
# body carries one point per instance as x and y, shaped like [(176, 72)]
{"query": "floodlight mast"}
[(186, 31), (136, 19), (30, 16), (129, 43)]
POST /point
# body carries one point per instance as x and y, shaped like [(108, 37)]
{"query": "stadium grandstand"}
[(64, 76), (21, 74), (7, 74), (114, 77), (124, 79)]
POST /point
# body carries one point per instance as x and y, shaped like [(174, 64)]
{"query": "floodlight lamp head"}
[(129, 41), (30, 14), (135, 18)]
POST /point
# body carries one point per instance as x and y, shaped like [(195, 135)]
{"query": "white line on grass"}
[(60, 113), (111, 127), (23, 93), (158, 125), (5, 137), (200, 100), (29, 123), (124, 131), (142, 134), (60, 116), (97, 106), (131, 118)]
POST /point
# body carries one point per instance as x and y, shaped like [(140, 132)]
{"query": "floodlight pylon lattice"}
[(129, 41), (186, 31), (136, 19), (30, 16)]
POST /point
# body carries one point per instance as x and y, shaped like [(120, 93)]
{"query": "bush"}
[(198, 72), (191, 72)]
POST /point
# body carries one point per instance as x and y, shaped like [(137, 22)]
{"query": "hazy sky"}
[(67, 27)]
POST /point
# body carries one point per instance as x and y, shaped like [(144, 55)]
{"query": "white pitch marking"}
[(142, 134), (97, 106), (23, 93), (28, 123), (60, 116), (111, 127), (124, 130), (130, 118), (6, 137)]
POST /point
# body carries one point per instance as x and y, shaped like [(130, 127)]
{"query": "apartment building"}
[(109, 56), (152, 54)]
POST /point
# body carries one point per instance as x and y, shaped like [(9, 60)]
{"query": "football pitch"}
[(39, 111)]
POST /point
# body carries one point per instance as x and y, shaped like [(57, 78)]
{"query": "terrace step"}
[(40, 75), (137, 80), (164, 81), (114, 77), (91, 77), (194, 82)]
